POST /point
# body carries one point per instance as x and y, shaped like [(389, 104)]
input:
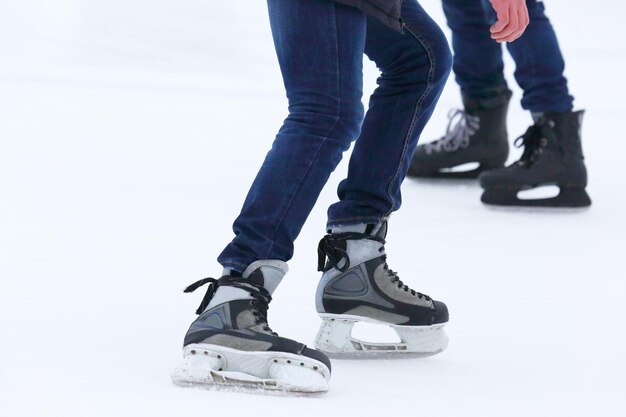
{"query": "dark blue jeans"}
[(320, 46), (478, 62)]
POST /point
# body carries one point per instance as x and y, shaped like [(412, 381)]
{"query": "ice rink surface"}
[(130, 132)]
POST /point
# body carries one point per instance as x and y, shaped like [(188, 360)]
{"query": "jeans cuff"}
[(355, 220), (234, 265)]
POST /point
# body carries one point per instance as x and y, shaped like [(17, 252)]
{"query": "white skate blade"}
[(334, 338), (222, 368)]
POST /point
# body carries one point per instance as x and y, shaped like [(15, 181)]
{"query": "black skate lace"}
[(458, 136), (533, 142), (261, 297), (333, 246), (396, 280)]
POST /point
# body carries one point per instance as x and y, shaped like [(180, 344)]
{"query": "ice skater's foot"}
[(552, 156), (475, 136), (231, 346), (357, 285)]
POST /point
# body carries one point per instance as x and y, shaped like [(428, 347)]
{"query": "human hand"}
[(512, 19)]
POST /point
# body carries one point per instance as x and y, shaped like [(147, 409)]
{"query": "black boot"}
[(479, 135), (552, 156)]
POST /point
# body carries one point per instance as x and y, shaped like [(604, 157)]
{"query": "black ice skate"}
[(357, 285), (479, 136), (231, 346), (552, 156)]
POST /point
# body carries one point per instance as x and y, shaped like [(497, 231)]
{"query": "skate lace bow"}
[(533, 141), (261, 297), (333, 246), (457, 136)]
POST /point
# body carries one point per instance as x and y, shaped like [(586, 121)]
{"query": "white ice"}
[(130, 131)]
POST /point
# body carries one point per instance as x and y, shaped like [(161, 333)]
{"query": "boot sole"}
[(568, 197)]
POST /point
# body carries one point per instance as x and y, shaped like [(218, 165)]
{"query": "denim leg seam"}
[(305, 176), (418, 106), (330, 131)]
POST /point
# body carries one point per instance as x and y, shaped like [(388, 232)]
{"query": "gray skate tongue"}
[(266, 273), (358, 228), (537, 116)]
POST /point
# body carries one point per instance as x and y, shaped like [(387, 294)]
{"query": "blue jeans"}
[(478, 62), (320, 46)]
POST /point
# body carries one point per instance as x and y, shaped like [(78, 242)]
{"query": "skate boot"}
[(357, 285), (552, 156), (231, 345), (474, 135)]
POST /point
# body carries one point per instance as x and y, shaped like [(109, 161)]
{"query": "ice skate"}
[(357, 285), (552, 156), (230, 346), (476, 135)]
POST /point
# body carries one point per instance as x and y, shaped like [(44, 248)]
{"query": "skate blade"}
[(225, 369), (568, 198), (334, 338)]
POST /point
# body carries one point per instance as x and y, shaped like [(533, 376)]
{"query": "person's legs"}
[(414, 68), (552, 145), (357, 284), (540, 64), (477, 134), (320, 50), (478, 64), (320, 46)]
